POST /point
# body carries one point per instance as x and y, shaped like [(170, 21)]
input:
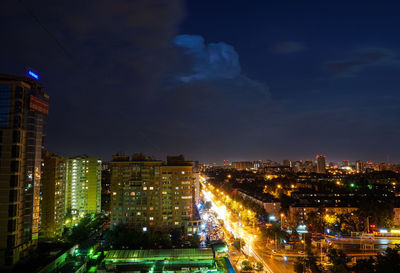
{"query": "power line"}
[(52, 36)]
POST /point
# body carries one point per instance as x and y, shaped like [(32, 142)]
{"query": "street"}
[(254, 246)]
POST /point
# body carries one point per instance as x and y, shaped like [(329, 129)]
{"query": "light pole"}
[(304, 255), (282, 215)]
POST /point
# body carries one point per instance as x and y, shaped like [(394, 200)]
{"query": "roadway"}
[(254, 246)]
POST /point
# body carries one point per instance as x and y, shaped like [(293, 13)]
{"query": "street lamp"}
[(282, 215), (304, 254)]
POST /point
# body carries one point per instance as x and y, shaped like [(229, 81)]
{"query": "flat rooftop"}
[(160, 254)]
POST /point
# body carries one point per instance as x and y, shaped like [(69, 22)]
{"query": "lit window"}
[(145, 188), (151, 218), (114, 193), (151, 188)]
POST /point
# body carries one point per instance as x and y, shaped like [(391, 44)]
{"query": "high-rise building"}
[(53, 196), (152, 194), (23, 107), (308, 166), (83, 185), (287, 162), (360, 166), (321, 165), (345, 163), (297, 166)]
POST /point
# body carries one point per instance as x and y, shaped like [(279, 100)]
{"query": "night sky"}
[(213, 79)]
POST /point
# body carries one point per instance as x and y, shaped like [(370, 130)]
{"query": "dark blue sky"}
[(213, 80)]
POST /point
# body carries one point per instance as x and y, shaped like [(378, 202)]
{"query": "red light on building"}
[(38, 105)]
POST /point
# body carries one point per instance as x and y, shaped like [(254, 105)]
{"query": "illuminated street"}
[(254, 246)]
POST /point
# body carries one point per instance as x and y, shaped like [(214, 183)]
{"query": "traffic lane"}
[(277, 263)]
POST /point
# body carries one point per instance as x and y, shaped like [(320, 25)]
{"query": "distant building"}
[(308, 166), (258, 164), (297, 213), (23, 108), (345, 163), (242, 165), (271, 206), (321, 165), (53, 196), (287, 162), (297, 166), (152, 194), (83, 185)]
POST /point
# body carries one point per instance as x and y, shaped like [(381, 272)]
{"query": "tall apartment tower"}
[(23, 107), (321, 167), (287, 162), (298, 166), (360, 166), (152, 194), (83, 185), (53, 196), (308, 166)]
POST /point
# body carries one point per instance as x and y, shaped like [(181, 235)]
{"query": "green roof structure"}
[(161, 260)]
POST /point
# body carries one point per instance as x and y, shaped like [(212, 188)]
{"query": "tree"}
[(259, 266), (307, 264), (364, 266), (390, 262), (339, 260), (299, 265), (239, 243), (378, 213), (246, 266), (286, 201), (275, 232), (315, 222), (176, 237), (194, 241)]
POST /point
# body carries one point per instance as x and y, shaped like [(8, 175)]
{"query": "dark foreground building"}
[(23, 107)]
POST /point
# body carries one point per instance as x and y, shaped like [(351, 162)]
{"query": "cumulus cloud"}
[(362, 59), (211, 61), (288, 47)]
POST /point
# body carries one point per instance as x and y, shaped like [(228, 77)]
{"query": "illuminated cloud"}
[(211, 61)]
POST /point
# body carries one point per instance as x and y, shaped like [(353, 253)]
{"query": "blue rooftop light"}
[(33, 74)]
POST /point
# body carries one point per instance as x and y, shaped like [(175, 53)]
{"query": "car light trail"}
[(233, 227)]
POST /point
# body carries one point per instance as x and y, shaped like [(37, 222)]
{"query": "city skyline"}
[(255, 80), (199, 136)]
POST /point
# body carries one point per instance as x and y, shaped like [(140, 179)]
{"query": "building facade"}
[(53, 196), (152, 194), (242, 165), (321, 165), (83, 185), (23, 107)]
